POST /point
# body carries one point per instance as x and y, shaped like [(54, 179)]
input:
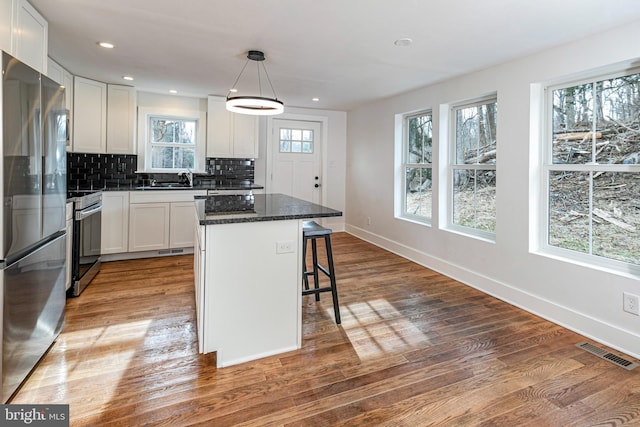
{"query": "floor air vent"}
[(604, 354)]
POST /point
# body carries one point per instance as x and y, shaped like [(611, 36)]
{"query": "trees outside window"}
[(473, 166), (417, 166), (592, 169), (172, 142)]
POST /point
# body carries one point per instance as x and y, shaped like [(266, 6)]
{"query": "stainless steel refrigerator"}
[(33, 239)]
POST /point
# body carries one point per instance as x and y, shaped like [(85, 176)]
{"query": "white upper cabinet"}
[(121, 119), (104, 118), (229, 134), (55, 71), (6, 14), (29, 35), (90, 116), (67, 82)]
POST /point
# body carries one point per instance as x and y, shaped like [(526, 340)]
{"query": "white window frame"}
[(452, 166), (144, 147), (402, 151), (547, 166)]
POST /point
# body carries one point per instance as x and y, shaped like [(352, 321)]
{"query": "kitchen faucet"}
[(189, 174)]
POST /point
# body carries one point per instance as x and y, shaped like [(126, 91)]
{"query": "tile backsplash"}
[(87, 171)]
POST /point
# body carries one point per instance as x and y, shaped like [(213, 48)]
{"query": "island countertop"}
[(229, 209)]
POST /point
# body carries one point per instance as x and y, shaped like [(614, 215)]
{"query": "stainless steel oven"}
[(87, 222)]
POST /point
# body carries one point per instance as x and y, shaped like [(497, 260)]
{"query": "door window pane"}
[(296, 141)]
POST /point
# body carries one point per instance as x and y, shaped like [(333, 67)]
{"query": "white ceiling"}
[(341, 51)]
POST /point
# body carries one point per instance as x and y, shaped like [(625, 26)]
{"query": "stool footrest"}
[(321, 268), (316, 290)]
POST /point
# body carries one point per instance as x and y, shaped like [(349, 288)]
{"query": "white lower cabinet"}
[(149, 226), (161, 220), (181, 225), (115, 222)]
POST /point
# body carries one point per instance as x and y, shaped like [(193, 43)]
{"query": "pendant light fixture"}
[(257, 105)]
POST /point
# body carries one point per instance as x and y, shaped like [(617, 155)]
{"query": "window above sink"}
[(172, 140)]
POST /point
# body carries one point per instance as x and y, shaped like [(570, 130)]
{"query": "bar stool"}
[(311, 230)]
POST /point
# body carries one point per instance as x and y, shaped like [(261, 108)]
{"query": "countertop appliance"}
[(85, 252), (33, 236)]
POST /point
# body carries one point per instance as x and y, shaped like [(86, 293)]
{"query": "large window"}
[(417, 166), (171, 140), (472, 173), (592, 169)]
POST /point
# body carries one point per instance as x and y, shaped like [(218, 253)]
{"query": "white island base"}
[(248, 289)]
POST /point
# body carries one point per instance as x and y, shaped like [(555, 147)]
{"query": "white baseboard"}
[(581, 323), (145, 254)]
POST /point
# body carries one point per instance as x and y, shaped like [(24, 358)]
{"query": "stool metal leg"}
[(332, 277), (316, 279), (305, 276)]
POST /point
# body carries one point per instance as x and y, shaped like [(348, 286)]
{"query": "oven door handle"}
[(85, 213)]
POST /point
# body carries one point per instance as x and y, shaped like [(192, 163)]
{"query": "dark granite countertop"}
[(210, 187), (223, 209)]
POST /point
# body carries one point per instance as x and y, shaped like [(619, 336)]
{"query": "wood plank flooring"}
[(415, 348)]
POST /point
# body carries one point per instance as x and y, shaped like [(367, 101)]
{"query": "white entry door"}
[(297, 158)]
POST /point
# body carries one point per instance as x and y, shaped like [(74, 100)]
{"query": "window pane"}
[(307, 135), (418, 192), (572, 124), (420, 139), (296, 134), (618, 127), (186, 132), (296, 146), (474, 199), (285, 134), (616, 216), (569, 210), (172, 157), (285, 146), (476, 134), (307, 147), (162, 130)]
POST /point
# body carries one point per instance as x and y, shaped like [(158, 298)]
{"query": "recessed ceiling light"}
[(106, 45), (173, 91), (233, 90), (129, 78), (315, 99), (405, 41)]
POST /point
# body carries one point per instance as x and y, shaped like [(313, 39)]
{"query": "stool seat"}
[(311, 230)]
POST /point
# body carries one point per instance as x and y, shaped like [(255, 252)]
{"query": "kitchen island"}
[(248, 272)]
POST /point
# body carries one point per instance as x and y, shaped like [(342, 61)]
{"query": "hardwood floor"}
[(415, 348)]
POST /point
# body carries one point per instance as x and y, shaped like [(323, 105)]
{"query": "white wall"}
[(334, 157), (150, 99), (582, 298)]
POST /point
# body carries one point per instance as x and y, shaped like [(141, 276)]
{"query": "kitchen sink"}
[(166, 185)]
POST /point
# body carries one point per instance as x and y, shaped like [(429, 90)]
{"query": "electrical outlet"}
[(284, 246), (368, 220), (630, 303)]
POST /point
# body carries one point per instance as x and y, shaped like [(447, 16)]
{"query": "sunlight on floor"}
[(118, 344), (375, 329)]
